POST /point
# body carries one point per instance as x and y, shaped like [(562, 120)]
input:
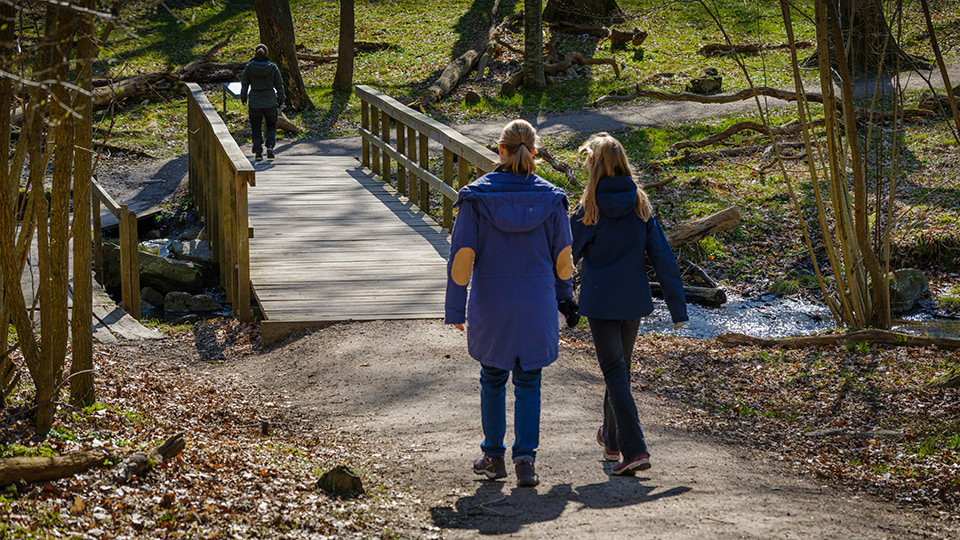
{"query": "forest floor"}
[(398, 402)]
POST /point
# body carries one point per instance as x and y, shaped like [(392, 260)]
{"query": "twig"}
[(660, 183)]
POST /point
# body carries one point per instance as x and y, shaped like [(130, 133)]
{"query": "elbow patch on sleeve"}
[(462, 266), (565, 263)]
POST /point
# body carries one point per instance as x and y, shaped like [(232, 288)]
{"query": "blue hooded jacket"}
[(511, 244), (614, 282)]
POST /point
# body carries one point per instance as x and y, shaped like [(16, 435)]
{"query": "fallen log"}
[(950, 380), (130, 87), (779, 131), (285, 124), (873, 336), (699, 272), (724, 49), (139, 462), (373, 46), (619, 38), (559, 166), (701, 157), (187, 71), (697, 229), (462, 65), (44, 468), (567, 63), (317, 59), (748, 93), (595, 30), (702, 296)]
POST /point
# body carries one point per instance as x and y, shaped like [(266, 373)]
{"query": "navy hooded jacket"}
[(511, 245), (614, 284), (263, 79)]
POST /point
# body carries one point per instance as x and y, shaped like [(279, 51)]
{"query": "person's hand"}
[(458, 327), (570, 311), (679, 325)]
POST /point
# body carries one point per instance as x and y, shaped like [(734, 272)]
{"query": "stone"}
[(906, 287), (202, 303), (197, 251), (153, 234), (190, 234), (340, 480), (472, 98), (159, 273), (709, 82), (148, 294), (177, 302)]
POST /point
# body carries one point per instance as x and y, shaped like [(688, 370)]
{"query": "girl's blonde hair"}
[(606, 157), (519, 138)]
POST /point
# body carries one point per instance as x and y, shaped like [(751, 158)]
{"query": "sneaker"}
[(258, 157), (639, 463), (491, 467), (526, 474), (608, 454), (269, 153)]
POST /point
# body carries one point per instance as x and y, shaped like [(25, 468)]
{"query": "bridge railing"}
[(129, 247), (385, 122), (219, 176)]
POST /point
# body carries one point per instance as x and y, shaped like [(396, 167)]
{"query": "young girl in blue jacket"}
[(615, 233), (511, 244)]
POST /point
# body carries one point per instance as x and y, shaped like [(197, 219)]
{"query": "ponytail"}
[(519, 139)]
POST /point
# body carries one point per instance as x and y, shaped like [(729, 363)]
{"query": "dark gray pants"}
[(257, 116), (614, 341)]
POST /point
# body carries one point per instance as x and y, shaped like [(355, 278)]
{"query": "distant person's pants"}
[(614, 341), (526, 411), (257, 116)]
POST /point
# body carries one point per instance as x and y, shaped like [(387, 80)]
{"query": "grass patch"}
[(951, 300)]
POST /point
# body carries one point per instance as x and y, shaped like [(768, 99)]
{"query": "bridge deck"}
[(331, 243)]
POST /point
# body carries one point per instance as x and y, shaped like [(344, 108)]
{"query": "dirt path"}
[(411, 391)]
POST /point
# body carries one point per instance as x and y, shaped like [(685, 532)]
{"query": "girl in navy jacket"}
[(511, 244), (615, 233)]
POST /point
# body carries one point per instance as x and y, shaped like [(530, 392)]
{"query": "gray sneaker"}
[(526, 473), (258, 157), (269, 153), (491, 467)]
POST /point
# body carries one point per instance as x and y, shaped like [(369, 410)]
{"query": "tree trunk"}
[(343, 80), (276, 32), (698, 229), (533, 75), (871, 46), (81, 369), (583, 11)]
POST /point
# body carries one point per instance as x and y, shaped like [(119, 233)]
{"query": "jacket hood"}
[(260, 68), (616, 196), (512, 202)]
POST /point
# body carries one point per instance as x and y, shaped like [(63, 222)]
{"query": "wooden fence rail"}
[(219, 177), (129, 248), (382, 116)]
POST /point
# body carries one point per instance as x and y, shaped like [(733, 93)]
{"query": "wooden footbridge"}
[(316, 239)]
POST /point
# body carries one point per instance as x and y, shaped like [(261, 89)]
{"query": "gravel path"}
[(411, 390)]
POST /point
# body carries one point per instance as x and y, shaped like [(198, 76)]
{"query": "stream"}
[(775, 316)]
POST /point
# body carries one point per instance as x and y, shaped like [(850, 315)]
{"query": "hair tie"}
[(523, 143)]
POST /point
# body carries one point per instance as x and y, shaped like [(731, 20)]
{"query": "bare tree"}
[(343, 80), (276, 32), (533, 76)]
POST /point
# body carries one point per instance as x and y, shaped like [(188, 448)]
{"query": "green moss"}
[(951, 300)]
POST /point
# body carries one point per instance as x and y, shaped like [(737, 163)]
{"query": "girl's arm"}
[(668, 273), (562, 252), (580, 234), (463, 251)]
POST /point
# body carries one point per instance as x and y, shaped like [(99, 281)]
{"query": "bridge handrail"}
[(129, 247), (413, 131), (219, 175)]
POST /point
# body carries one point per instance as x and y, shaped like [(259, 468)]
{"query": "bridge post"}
[(365, 123), (425, 163), (412, 154), (448, 158), (401, 149), (375, 130), (385, 135)]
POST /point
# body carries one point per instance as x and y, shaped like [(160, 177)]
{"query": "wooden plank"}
[(375, 132), (385, 138), (365, 124), (401, 149), (102, 195), (221, 134)]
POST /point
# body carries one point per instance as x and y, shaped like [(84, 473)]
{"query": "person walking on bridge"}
[(511, 245), (262, 78), (616, 234)]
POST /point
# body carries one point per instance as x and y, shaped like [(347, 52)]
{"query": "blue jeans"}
[(614, 341), (493, 411), (257, 116)]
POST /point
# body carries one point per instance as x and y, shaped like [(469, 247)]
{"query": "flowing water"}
[(774, 316)]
